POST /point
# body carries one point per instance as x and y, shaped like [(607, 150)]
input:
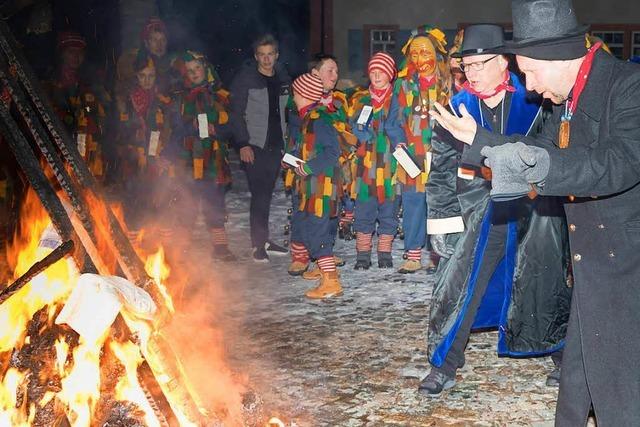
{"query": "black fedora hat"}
[(540, 22), (481, 39)]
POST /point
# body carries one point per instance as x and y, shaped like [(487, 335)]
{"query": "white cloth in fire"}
[(96, 300)]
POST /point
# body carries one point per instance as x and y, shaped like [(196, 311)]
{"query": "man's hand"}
[(246, 154), (514, 167), (462, 128), (439, 245)]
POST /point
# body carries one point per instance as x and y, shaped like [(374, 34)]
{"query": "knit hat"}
[(383, 62), (68, 39), (308, 86), (153, 24)]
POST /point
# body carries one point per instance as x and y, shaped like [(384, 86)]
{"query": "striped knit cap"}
[(308, 86), (383, 62)]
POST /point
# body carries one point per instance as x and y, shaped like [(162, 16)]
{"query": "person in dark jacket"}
[(258, 99), (588, 152), (488, 275)]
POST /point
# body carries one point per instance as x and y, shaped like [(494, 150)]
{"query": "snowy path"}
[(356, 360)]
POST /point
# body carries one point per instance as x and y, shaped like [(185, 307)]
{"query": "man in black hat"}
[(589, 152), (485, 280)]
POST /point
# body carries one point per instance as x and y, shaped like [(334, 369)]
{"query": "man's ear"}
[(504, 62)]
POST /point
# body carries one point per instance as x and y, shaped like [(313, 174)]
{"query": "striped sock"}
[(384, 242), (219, 236), (363, 242), (414, 254), (299, 253), (327, 264), (347, 218)]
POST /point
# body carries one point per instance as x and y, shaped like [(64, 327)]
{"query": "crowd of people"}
[(449, 144)]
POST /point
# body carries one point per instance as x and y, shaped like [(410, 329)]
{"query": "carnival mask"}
[(422, 55)]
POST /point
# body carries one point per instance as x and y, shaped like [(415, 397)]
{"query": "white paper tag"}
[(427, 162), (365, 115), (291, 160), (82, 144), (154, 140), (407, 163), (467, 174), (203, 125)]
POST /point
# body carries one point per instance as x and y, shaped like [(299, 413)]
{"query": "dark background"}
[(222, 29)]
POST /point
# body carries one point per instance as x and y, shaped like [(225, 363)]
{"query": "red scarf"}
[(195, 91), (141, 100), (427, 82), (502, 86), (327, 100), (304, 110), (583, 75), (379, 96)]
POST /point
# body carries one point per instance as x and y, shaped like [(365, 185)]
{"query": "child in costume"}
[(144, 134), (318, 186), (373, 116), (204, 163)]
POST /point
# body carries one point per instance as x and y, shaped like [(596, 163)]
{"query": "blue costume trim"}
[(494, 306)]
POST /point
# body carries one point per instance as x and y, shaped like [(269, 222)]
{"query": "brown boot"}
[(410, 266), (329, 287), (313, 274), (297, 268)]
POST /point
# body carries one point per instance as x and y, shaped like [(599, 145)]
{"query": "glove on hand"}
[(514, 166), (439, 245)]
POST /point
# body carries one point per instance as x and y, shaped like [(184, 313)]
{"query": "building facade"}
[(353, 30)]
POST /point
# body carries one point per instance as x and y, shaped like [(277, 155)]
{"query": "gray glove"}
[(439, 245), (514, 166)]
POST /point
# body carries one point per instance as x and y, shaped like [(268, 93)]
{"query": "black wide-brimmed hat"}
[(481, 39), (546, 29)]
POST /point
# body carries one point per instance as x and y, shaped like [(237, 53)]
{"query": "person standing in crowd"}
[(373, 116), (258, 99), (588, 152), (144, 133), (319, 184), (457, 75), (423, 80), (204, 165), (326, 67), (484, 273), (80, 101)]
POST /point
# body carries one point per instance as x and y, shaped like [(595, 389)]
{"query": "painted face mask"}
[(423, 56)]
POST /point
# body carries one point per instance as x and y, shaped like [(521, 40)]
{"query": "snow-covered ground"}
[(355, 360)]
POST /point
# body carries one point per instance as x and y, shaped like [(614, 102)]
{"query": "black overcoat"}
[(601, 168)]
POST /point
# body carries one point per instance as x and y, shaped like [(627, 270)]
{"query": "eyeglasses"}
[(475, 66)]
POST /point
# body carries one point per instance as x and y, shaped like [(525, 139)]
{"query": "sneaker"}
[(435, 383), (553, 379), (275, 249), (260, 255)]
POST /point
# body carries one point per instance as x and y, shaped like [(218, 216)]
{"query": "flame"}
[(128, 388), (62, 351), (275, 422), (159, 270)]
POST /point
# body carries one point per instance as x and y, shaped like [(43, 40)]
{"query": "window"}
[(382, 41), (614, 40), (635, 43), (379, 38)]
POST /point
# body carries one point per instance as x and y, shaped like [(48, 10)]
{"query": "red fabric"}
[(308, 86), (583, 76), (502, 86), (304, 110), (141, 100), (379, 96), (327, 263), (383, 62), (427, 82)]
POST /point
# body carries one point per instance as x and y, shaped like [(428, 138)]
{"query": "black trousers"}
[(493, 253), (262, 176)]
